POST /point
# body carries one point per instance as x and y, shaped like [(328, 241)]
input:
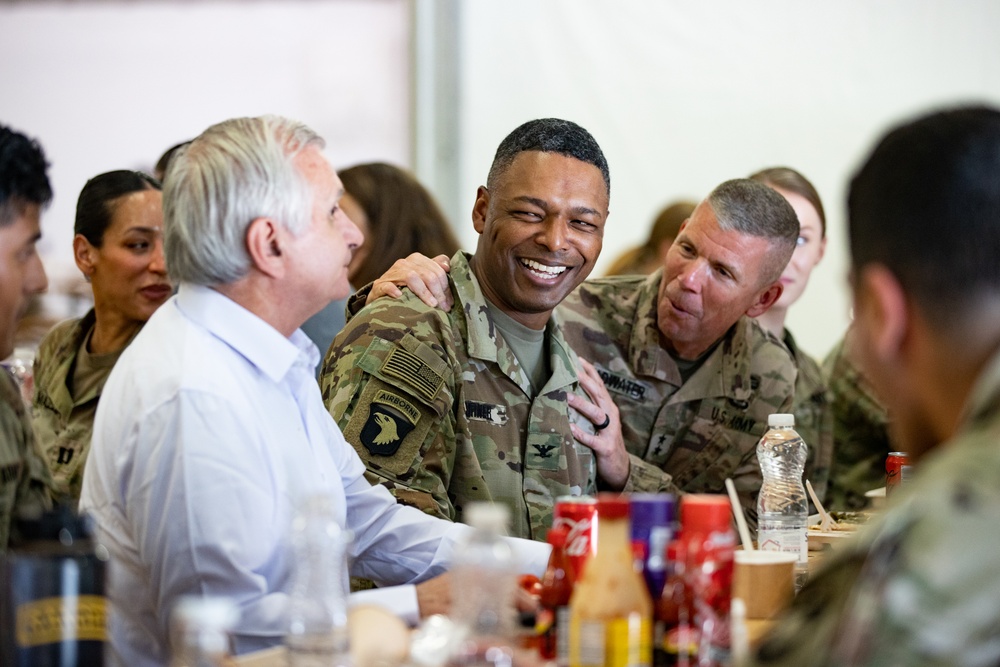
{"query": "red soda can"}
[(579, 515), (897, 470)]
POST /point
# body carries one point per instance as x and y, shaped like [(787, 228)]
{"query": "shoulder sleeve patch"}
[(390, 420), (407, 366), (388, 428)]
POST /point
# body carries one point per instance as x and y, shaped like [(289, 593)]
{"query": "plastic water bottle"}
[(782, 507), (317, 625), (484, 581)]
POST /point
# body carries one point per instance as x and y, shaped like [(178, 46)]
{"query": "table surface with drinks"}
[(632, 580)]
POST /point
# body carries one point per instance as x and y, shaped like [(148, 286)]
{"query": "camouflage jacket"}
[(920, 586), (700, 432), (441, 412), (813, 416), (860, 432), (63, 422), (24, 479)]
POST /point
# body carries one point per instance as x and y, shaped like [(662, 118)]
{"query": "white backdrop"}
[(682, 94), (685, 94), (111, 85)]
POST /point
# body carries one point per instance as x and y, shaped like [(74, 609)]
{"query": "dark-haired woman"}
[(118, 245)]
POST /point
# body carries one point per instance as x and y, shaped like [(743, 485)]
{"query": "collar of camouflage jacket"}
[(485, 343)]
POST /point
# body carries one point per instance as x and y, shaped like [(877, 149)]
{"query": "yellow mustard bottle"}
[(611, 611)]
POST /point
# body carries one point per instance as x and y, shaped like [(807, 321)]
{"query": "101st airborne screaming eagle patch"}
[(390, 420)]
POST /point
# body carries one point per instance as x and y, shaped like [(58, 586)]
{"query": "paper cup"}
[(765, 581)]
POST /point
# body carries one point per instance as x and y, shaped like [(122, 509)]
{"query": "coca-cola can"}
[(579, 515), (897, 470)]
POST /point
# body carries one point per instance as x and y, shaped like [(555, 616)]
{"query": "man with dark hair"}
[(446, 408), (922, 585), (24, 191), (682, 378)]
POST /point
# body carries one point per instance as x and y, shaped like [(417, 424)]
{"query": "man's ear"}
[(83, 255), (480, 209), (886, 311), (264, 239), (765, 300)]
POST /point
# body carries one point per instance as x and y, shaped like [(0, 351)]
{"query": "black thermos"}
[(52, 594)]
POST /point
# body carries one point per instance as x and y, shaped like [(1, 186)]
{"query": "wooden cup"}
[(765, 581)]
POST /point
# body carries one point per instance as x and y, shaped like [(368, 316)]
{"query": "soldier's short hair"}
[(749, 207), (549, 135), (23, 177), (233, 173), (926, 205)]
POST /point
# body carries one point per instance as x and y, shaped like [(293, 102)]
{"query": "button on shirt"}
[(210, 431)]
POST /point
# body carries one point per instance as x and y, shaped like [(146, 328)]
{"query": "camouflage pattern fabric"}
[(64, 423), (860, 432), (813, 416), (699, 432), (24, 479), (921, 585), (442, 414)]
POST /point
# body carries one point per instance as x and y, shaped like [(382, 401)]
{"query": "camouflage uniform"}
[(442, 414), (64, 422), (813, 416), (24, 479), (701, 432), (920, 586), (860, 432)]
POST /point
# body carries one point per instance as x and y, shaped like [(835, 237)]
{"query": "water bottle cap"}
[(781, 419), (705, 513), (491, 517)]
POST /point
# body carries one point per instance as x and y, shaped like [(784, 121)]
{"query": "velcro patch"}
[(486, 412), (390, 420), (623, 385), (407, 366)]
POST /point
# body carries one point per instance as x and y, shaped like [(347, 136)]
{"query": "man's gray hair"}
[(235, 172), (755, 209)]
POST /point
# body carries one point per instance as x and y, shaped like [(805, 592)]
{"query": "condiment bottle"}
[(611, 611), (552, 622), (673, 636)]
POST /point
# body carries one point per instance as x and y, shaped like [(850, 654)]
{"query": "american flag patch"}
[(411, 369)]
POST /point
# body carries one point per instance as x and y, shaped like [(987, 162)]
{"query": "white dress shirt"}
[(210, 430)]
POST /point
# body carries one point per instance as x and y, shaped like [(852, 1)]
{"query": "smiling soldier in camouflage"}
[(446, 408)]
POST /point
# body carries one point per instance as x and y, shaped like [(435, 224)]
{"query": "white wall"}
[(111, 85), (685, 94), (682, 94)]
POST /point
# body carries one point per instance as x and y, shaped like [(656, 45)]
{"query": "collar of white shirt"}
[(250, 336)]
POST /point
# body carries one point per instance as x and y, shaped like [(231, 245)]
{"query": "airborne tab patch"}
[(390, 420), (486, 412), (410, 368)]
